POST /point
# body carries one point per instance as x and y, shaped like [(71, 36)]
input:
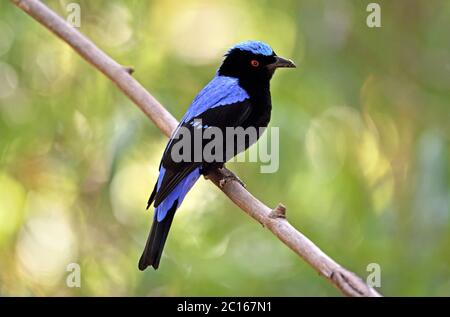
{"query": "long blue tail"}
[(164, 214)]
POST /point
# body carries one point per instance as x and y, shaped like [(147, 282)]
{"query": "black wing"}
[(232, 115)]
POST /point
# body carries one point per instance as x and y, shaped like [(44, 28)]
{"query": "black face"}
[(249, 66)]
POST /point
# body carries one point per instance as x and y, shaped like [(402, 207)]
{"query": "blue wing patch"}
[(220, 91)]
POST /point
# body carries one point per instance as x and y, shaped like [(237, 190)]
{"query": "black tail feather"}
[(152, 196), (156, 240)]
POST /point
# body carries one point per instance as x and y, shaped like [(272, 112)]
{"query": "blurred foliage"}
[(364, 163)]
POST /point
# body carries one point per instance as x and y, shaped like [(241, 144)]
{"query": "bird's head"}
[(252, 60)]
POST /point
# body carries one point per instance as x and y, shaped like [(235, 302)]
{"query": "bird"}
[(237, 96)]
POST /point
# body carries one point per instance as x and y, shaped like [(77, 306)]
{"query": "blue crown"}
[(256, 47)]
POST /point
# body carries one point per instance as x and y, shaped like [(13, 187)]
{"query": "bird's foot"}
[(228, 176)]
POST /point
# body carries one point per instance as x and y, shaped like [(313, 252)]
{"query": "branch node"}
[(128, 69), (228, 176), (349, 283), (278, 212)]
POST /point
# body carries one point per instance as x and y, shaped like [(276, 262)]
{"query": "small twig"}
[(227, 177), (344, 280), (349, 283), (278, 212), (129, 69)]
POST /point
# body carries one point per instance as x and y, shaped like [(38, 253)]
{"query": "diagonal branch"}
[(274, 220)]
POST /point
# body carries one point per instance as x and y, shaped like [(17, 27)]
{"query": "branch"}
[(274, 220)]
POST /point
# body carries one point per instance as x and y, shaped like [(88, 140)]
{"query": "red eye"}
[(254, 63)]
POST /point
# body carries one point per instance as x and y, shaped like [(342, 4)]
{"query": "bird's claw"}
[(229, 176)]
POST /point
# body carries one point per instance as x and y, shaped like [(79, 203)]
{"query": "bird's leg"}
[(225, 174), (207, 169), (228, 176)]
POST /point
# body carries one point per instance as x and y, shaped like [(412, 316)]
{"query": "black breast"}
[(261, 104)]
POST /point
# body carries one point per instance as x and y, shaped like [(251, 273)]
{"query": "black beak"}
[(282, 62)]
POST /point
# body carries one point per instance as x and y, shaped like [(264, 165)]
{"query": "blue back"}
[(220, 91)]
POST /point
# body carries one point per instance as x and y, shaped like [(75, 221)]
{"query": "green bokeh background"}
[(364, 149)]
